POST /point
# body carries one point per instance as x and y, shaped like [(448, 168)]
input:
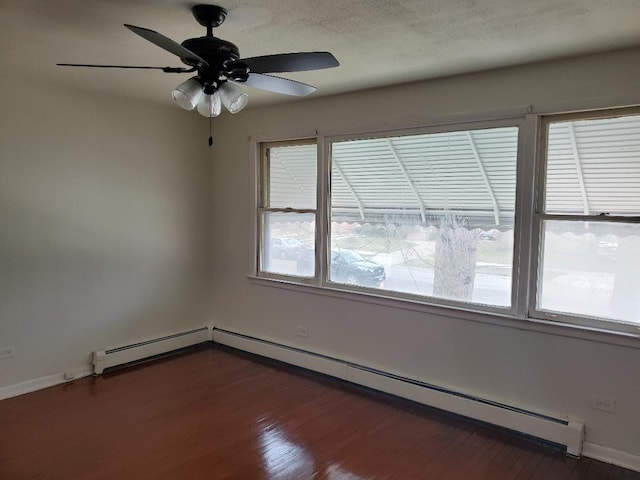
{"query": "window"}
[(287, 209), (427, 215), (588, 217), (432, 216)]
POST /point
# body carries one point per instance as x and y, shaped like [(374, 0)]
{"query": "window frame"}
[(262, 198), (516, 121), (539, 217), (529, 197), (323, 212)]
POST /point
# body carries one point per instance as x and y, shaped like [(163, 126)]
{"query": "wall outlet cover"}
[(605, 404)]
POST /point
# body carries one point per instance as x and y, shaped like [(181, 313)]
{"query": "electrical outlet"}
[(303, 331), (603, 403), (7, 352)]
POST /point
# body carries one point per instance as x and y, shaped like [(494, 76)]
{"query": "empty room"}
[(288, 239)]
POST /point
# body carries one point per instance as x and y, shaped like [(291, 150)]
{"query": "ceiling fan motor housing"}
[(215, 51)]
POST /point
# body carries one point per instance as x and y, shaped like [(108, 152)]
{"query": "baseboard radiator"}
[(113, 357), (563, 432)]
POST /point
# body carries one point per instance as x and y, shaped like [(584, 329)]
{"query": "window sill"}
[(467, 314)]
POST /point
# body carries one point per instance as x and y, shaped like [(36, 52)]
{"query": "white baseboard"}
[(121, 355), (43, 382), (609, 455), (129, 353), (564, 431)]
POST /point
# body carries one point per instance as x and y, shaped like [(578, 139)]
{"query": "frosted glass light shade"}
[(188, 93), (209, 105), (233, 98)]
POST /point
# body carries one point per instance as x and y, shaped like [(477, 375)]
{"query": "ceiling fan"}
[(219, 69)]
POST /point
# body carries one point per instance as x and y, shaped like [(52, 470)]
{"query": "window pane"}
[(292, 177), (445, 259), (429, 215), (591, 269), (288, 244), (593, 167)]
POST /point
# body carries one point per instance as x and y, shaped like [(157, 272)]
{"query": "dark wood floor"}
[(216, 414)]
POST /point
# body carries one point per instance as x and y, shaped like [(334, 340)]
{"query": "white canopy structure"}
[(471, 174)]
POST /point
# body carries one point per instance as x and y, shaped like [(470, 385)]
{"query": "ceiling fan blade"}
[(279, 85), (288, 62), (167, 44), (164, 69)]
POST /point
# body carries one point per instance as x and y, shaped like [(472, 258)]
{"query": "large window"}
[(589, 207), (428, 215), (459, 216)]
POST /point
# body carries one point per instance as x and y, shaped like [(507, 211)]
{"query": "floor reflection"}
[(284, 458), (334, 472)]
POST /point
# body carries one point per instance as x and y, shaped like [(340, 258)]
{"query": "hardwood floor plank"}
[(216, 413)]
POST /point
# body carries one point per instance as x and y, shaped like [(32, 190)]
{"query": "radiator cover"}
[(112, 357), (561, 431)]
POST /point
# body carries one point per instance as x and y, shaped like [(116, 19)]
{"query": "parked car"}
[(352, 268), (346, 266), (286, 248)]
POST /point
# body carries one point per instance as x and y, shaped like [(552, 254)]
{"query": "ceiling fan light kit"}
[(219, 68), (192, 93)]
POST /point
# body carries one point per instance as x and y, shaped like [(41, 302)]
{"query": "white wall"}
[(105, 225), (541, 371)]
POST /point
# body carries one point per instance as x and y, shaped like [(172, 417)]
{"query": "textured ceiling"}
[(378, 42)]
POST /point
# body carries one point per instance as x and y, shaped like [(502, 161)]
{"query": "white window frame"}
[(323, 220), (530, 177), (540, 216), (262, 208), (516, 122)]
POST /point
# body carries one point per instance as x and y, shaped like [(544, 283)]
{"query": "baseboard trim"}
[(609, 455), (559, 431), (203, 334), (108, 358), (44, 382)]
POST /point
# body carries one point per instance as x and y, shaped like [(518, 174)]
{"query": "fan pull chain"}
[(210, 136)]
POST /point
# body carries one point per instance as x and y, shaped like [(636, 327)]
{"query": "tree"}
[(455, 259)]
